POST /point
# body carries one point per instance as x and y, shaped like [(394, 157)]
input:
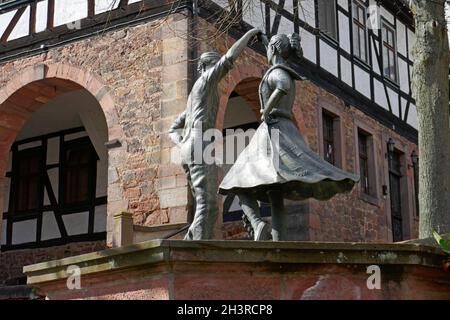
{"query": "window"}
[(79, 171), (327, 17), (389, 48), (395, 187), (328, 138), (364, 163), (359, 31), (27, 180)]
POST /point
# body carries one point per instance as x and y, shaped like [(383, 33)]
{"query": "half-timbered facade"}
[(55, 188), (89, 88)]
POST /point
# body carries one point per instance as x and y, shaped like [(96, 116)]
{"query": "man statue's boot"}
[(261, 229)]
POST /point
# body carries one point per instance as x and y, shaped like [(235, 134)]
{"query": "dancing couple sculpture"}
[(268, 169)]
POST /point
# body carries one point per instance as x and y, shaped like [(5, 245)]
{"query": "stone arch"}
[(242, 75), (38, 84), (236, 76)]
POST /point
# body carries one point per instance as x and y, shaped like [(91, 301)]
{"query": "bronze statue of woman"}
[(278, 164)]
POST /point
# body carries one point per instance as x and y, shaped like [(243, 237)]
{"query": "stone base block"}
[(174, 269)]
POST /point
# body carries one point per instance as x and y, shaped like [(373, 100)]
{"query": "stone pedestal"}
[(174, 269)]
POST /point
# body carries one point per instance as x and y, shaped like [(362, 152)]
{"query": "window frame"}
[(328, 118), (17, 154), (324, 29), (357, 26), (71, 207), (374, 197), (386, 46), (364, 159), (328, 107)]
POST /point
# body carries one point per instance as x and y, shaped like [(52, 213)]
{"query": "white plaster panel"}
[(307, 12), (403, 75), (393, 99), (3, 236), (289, 7), (328, 58), (22, 27), (223, 3), (386, 15), (375, 64), (254, 14), (344, 32), (6, 193), (100, 218), (343, 4), (76, 135), (411, 41), (92, 122), (380, 95), (286, 26), (76, 223), (41, 16), (105, 5), (235, 206), (50, 229), (53, 175), (67, 11), (102, 178), (308, 45), (412, 116), (401, 38), (5, 19), (346, 71), (53, 150), (403, 103), (362, 84), (24, 231), (29, 145)]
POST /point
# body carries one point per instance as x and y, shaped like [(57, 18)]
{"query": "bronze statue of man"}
[(187, 132)]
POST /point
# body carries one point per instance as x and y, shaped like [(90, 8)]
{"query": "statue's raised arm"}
[(225, 63), (239, 46)]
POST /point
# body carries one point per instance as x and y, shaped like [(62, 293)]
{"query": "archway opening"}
[(242, 118), (55, 174)]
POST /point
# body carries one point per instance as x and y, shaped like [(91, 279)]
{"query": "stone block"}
[(123, 229), (173, 197)]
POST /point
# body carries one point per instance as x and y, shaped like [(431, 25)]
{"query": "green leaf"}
[(444, 243)]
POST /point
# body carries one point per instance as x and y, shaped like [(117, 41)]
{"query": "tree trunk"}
[(430, 88)]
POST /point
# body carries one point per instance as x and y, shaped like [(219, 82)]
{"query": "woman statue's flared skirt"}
[(278, 159)]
